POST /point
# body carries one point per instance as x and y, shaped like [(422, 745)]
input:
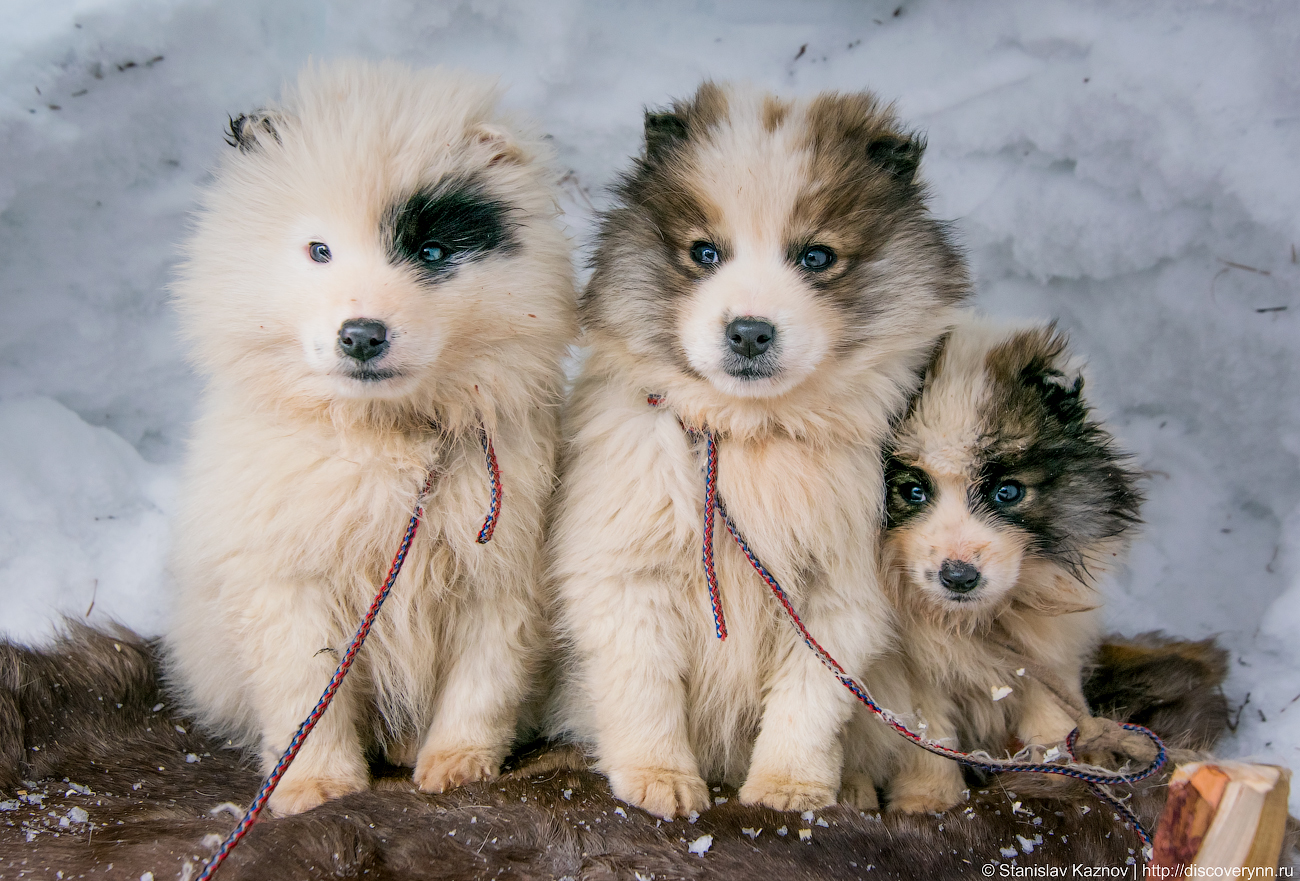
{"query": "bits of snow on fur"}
[(701, 845)]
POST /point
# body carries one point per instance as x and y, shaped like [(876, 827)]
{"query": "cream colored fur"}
[(300, 479), (952, 657), (665, 705)]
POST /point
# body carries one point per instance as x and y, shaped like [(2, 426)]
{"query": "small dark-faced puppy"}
[(1006, 502), (772, 273)]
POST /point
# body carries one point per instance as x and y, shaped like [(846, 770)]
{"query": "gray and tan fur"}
[(1006, 502), (376, 275), (771, 269)]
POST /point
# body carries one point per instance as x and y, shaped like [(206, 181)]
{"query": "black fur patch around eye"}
[(898, 475), (457, 222)]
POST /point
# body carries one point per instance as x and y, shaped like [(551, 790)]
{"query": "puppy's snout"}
[(363, 338), (958, 576), (750, 337)]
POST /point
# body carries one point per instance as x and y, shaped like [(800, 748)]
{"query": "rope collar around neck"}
[(1071, 768), (413, 525)]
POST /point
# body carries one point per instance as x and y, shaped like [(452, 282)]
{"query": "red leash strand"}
[(1096, 782), (412, 527)]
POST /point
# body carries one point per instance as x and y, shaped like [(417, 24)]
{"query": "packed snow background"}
[(1131, 169)]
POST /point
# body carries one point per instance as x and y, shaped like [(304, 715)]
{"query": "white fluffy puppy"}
[(772, 272), (375, 284), (1006, 503)]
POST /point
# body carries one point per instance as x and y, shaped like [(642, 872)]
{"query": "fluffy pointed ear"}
[(663, 133), (249, 131), (900, 155), (1058, 377), (1063, 394), (500, 144)]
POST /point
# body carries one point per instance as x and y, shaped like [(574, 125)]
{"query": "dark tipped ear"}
[(246, 129), (1062, 394), (663, 133), (897, 154)]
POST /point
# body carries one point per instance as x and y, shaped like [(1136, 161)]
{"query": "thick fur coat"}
[(102, 776), (376, 283), (772, 272), (1006, 502)]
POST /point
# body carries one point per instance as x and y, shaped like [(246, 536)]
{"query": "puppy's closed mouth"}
[(371, 375), (761, 367)]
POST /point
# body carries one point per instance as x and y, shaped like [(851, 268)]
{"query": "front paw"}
[(660, 791), (859, 791), (922, 802), (786, 794), (438, 770), (302, 793)]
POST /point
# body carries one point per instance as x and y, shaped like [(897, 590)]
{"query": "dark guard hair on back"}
[(1082, 489), (861, 186), (438, 229)]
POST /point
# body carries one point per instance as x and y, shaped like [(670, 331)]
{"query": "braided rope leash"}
[(412, 527), (1096, 781)]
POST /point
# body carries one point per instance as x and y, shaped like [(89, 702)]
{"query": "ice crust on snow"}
[(1128, 169)]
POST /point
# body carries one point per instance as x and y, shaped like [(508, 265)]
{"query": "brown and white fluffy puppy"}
[(376, 276), (772, 271), (1006, 502)]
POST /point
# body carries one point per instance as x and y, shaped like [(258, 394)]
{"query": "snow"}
[(1127, 168)]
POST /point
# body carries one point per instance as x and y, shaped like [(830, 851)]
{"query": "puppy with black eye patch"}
[(770, 274), (376, 287), (1006, 502)]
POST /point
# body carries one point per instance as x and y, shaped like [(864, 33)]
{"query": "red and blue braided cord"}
[(494, 485), (1096, 782), (273, 779), (710, 505)]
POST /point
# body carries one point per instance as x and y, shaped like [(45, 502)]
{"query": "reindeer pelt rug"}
[(100, 779)]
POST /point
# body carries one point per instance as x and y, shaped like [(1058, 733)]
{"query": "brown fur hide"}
[(99, 779)]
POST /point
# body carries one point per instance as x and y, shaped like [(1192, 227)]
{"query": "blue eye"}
[(1008, 493), (433, 252), (913, 493), (319, 251), (705, 253), (817, 258)]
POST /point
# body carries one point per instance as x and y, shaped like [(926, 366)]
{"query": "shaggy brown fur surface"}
[(99, 780)]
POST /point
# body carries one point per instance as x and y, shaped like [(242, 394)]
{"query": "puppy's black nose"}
[(958, 577), (750, 337), (363, 338)]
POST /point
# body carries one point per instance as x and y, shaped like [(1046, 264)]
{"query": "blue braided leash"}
[(273, 779), (1096, 782)]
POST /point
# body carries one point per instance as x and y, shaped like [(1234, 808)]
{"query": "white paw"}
[(441, 770), (660, 791), (786, 794)]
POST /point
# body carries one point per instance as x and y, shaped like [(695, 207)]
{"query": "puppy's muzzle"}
[(959, 576), (363, 339), (753, 353), (750, 337)]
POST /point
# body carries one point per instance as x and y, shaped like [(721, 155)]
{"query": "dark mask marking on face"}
[(864, 197), (439, 229), (1079, 488), (909, 492)]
